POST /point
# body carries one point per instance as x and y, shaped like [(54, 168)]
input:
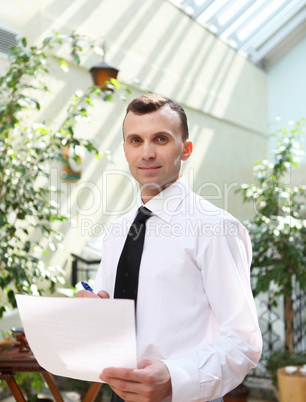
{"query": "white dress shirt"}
[(195, 308)]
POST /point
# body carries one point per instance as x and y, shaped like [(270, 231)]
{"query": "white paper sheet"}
[(79, 337)]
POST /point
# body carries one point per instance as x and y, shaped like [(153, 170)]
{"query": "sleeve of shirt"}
[(100, 282), (222, 365)]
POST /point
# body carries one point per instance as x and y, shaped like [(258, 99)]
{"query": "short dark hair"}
[(149, 103)]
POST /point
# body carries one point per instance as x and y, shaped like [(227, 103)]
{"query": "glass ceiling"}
[(256, 28)]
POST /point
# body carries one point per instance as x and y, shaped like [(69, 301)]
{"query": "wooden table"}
[(13, 361), (292, 387)]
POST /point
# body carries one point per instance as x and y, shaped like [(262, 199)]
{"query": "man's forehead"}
[(165, 111)]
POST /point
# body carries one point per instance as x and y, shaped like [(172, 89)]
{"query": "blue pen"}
[(87, 287)]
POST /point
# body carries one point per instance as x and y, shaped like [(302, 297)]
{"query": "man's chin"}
[(150, 187)]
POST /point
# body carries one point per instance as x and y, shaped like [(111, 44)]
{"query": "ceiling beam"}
[(269, 31), (258, 55), (235, 35)]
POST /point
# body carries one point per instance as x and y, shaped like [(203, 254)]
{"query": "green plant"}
[(278, 230), (28, 211), (31, 384)]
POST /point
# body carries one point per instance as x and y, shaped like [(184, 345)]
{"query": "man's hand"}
[(150, 382), (86, 293)]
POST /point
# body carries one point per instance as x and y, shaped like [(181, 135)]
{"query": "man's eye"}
[(161, 139), (135, 140)]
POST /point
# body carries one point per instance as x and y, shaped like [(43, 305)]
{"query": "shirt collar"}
[(166, 203)]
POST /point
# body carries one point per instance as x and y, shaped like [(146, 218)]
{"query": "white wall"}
[(224, 95), (287, 85), (287, 97)]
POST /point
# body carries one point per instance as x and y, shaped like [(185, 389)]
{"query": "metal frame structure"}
[(280, 20)]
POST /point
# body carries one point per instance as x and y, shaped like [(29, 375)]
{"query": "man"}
[(197, 330)]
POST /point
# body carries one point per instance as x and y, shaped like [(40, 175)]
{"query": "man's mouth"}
[(149, 167)]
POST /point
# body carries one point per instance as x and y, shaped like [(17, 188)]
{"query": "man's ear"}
[(188, 148)]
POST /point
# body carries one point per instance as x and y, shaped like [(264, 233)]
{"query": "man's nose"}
[(148, 151)]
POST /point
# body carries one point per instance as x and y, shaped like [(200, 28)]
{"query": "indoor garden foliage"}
[(278, 230), (27, 150)]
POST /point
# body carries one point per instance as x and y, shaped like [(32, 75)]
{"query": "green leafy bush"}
[(278, 229), (27, 150)]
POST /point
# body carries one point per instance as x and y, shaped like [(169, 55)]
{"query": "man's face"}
[(154, 149)]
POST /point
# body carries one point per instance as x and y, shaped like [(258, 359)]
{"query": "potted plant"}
[(278, 234), (278, 230)]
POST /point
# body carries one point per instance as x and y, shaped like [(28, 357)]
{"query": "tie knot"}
[(143, 214)]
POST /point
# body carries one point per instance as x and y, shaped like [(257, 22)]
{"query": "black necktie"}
[(126, 285)]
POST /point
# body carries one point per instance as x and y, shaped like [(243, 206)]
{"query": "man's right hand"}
[(86, 293)]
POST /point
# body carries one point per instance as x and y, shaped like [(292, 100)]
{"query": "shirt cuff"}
[(189, 383), (185, 386)]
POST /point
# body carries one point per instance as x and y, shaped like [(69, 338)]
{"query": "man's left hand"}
[(150, 382)]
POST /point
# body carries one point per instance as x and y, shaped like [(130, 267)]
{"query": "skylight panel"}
[(248, 24), (231, 11), (211, 10), (243, 18), (277, 22), (259, 19)]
